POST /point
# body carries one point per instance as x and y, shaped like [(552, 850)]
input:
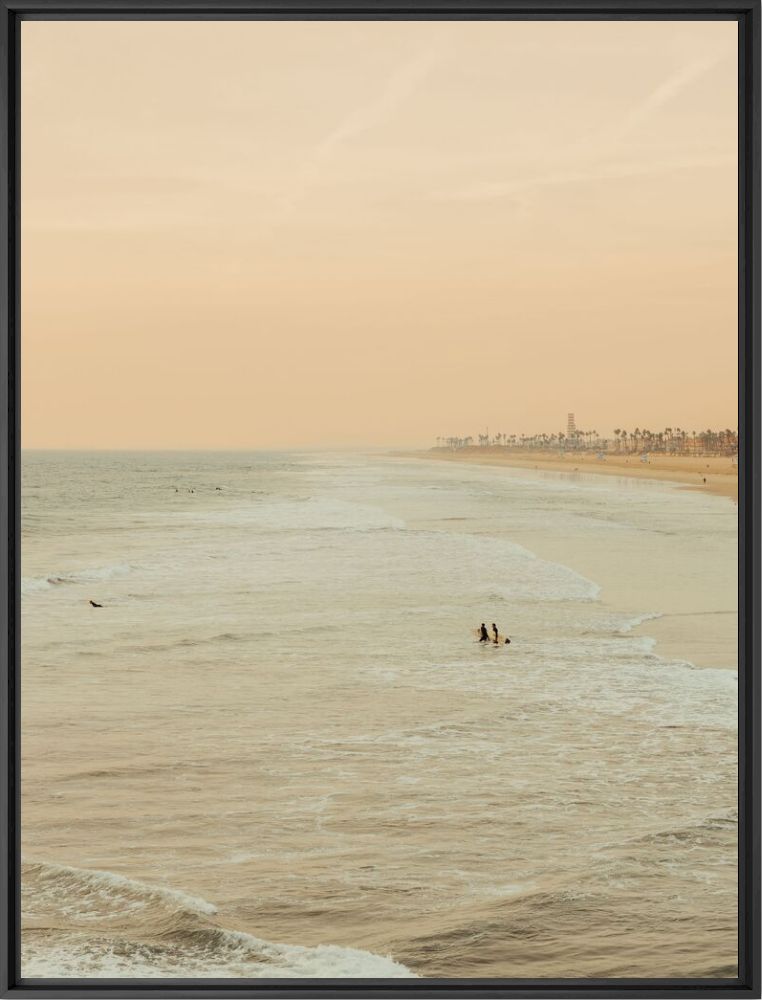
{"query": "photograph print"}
[(380, 464)]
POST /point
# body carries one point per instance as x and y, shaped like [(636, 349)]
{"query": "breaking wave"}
[(35, 584), (87, 923)]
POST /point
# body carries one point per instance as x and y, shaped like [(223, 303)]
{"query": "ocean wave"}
[(220, 955), (220, 638), (51, 891), (706, 831), (297, 514), (98, 924), (541, 927), (36, 584), (638, 620)]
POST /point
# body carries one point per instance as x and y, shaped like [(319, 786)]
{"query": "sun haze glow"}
[(273, 234)]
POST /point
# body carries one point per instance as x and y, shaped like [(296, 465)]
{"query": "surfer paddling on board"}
[(483, 636)]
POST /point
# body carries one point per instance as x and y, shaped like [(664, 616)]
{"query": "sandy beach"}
[(675, 581), (714, 475)]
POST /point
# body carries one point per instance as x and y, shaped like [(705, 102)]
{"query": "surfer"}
[(494, 632), (96, 605), (483, 636)]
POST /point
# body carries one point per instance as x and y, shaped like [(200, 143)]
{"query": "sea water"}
[(278, 750)]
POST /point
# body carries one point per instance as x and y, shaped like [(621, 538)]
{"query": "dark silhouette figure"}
[(507, 641), (494, 632), (483, 636), (96, 605)]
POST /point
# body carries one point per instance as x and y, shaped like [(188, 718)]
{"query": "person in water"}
[(494, 632), (483, 635)]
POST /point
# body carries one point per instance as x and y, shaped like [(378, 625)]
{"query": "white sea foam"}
[(95, 894), (104, 919), (638, 620), (234, 956), (307, 514), (33, 585)]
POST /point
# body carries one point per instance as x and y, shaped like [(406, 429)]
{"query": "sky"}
[(311, 234)]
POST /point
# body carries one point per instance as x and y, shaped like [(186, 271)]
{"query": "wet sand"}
[(713, 475), (698, 619)]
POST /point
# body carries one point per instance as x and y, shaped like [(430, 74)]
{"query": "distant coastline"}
[(711, 473)]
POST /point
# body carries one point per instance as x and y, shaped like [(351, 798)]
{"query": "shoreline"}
[(695, 626), (716, 475)]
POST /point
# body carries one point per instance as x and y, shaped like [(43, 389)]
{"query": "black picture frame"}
[(747, 14)]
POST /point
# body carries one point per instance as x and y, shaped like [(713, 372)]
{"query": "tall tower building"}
[(571, 427)]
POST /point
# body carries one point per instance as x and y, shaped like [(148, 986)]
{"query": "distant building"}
[(571, 427)]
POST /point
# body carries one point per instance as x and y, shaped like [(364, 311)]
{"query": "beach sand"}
[(721, 474), (699, 621)]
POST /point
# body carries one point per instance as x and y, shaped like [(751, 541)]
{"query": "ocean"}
[(277, 749)]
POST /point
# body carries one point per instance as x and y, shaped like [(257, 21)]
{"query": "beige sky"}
[(242, 234)]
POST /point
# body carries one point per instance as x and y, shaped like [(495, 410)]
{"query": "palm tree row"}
[(670, 441)]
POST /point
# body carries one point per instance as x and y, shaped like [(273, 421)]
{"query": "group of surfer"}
[(484, 634)]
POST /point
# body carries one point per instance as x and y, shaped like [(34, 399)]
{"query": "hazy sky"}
[(243, 234)]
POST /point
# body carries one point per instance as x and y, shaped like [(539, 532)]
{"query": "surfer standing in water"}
[(483, 636), (494, 632)]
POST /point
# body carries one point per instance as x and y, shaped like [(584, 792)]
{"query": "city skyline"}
[(671, 440)]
